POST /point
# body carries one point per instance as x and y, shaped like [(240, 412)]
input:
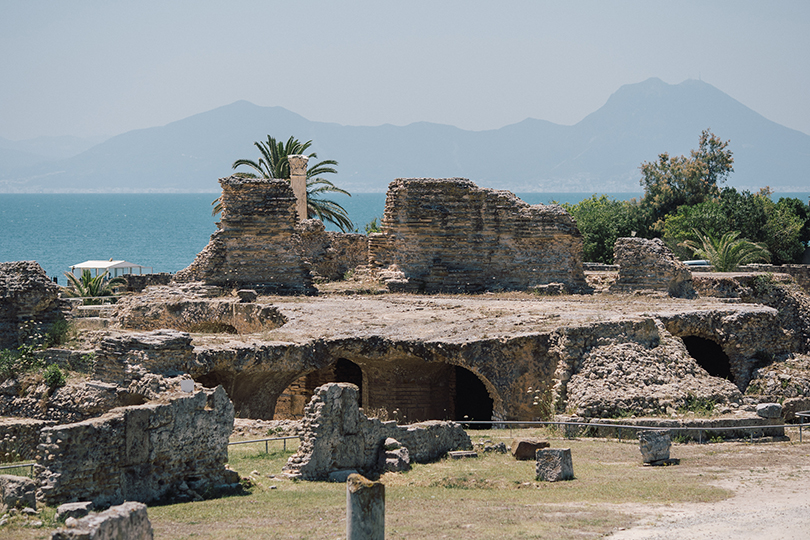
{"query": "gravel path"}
[(773, 504)]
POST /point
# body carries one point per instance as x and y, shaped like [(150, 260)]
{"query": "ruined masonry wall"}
[(450, 235), (138, 453), (331, 254), (337, 436), (256, 246), (651, 265), (26, 294)]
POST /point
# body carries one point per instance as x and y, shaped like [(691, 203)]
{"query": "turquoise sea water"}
[(164, 231)]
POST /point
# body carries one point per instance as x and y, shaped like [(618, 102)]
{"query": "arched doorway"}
[(709, 355), (472, 400)]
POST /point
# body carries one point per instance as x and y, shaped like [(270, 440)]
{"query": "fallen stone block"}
[(654, 445), (769, 410), (462, 454), (394, 457), (73, 510), (554, 464), (526, 448), (341, 476), (128, 520), (18, 491)]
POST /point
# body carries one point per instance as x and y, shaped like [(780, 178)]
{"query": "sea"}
[(161, 231)]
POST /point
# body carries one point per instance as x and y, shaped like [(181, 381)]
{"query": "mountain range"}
[(601, 153)]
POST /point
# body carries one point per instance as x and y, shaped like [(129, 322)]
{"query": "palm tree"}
[(727, 252), (91, 287), (274, 163)]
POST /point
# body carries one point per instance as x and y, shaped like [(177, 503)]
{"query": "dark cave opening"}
[(472, 401), (709, 355)]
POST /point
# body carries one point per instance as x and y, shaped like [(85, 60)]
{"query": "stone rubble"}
[(650, 265), (654, 446), (126, 521), (27, 295), (17, 492), (526, 448), (554, 465)]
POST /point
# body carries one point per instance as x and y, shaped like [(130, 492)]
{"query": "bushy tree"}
[(602, 220), (672, 182)]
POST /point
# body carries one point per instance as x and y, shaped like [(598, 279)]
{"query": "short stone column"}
[(554, 464), (365, 509), (298, 181)]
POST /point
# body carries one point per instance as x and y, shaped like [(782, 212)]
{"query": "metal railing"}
[(619, 427), (266, 442), (19, 466)]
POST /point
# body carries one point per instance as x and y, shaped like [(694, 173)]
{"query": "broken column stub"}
[(365, 509), (337, 436), (654, 446), (650, 265), (554, 464), (256, 244), (449, 235)]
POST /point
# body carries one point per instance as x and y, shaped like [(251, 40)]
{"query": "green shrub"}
[(54, 377)]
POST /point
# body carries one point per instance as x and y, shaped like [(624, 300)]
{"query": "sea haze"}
[(164, 231)]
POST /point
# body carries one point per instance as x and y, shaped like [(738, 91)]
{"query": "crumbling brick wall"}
[(140, 453), (26, 294), (450, 235), (256, 246), (331, 254)]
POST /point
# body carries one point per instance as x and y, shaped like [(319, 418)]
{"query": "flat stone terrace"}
[(461, 318)]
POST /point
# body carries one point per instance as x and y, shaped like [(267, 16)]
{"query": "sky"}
[(94, 69)]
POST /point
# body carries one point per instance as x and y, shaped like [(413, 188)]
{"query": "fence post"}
[(365, 508)]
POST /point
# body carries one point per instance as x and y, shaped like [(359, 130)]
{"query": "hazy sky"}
[(100, 68)]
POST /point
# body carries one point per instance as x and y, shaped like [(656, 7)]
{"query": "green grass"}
[(492, 496)]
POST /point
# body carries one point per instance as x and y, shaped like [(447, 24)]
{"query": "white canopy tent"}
[(113, 268)]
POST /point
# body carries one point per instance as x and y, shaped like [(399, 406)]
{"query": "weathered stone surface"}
[(769, 410), (191, 308), (394, 457), (121, 359), (127, 521), (526, 448), (654, 445), (26, 294), (256, 246), (650, 265), (18, 491), (331, 254), (338, 436), (450, 235), (140, 453), (19, 438), (688, 427), (365, 509), (75, 510), (554, 464)]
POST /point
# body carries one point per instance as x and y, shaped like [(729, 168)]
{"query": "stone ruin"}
[(650, 265), (331, 254), (176, 446), (256, 245), (28, 295), (337, 437), (448, 235)]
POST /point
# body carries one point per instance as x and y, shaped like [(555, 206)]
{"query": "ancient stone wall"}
[(799, 272), (26, 294), (122, 359), (256, 246), (331, 254), (450, 235), (138, 282), (337, 436), (140, 453), (650, 265), (19, 438)]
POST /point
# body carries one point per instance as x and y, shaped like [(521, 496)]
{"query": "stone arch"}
[(710, 356), (471, 397)]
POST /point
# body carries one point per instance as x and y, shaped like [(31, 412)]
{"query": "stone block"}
[(73, 510), (526, 448), (18, 491), (769, 410), (128, 520), (554, 464), (654, 445)]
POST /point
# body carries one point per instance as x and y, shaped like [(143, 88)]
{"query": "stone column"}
[(298, 180), (365, 509)]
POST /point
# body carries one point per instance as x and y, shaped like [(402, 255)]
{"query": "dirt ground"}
[(771, 485)]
